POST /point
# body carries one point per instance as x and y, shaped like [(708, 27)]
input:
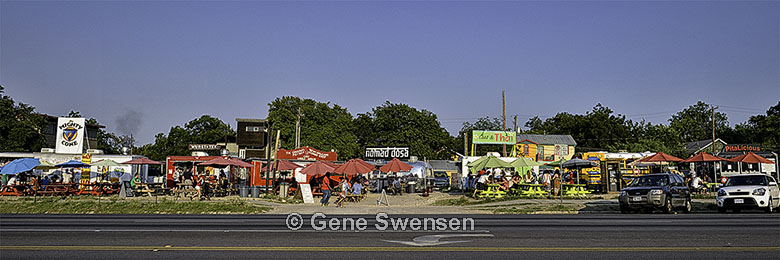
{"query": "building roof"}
[(251, 120), (547, 139), (694, 147)]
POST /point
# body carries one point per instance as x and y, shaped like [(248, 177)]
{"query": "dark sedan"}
[(665, 191)]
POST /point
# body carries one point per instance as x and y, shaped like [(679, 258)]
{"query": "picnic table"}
[(575, 190), (98, 188), (493, 191), (531, 190), (13, 190), (56, 189)]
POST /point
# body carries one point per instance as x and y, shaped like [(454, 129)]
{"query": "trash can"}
[(243, 191), (255, 191), (380, 185), (411, 187), (284, 189)]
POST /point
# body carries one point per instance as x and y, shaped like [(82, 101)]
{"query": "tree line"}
[(329, 127)]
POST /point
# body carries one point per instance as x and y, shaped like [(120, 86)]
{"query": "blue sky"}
[(173, 61)]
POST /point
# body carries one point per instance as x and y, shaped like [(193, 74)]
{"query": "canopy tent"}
[(317, 168), (523, 164), (72, 164), (489, 162), (395, 165), (20, 165), (107, 163), (578, 163)]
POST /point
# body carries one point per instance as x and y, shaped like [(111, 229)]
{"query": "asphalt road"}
[(694, 236)]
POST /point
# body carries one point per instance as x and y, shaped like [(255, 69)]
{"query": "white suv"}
[(747, 191)]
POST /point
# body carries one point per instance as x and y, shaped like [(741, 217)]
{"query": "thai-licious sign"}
[(386, 153), (203, 147), (493, 137), (306, 153), (742, 148), (70, 135)]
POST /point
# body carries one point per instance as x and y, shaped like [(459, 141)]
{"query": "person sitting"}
[(396, 186), (696, 184)]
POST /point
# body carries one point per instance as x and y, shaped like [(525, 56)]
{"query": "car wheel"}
[(688, 206), (769, 207), (668, 206), (721, 210)]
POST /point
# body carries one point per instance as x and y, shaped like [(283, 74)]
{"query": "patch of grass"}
[(465, 201), (115, 206), (536, 209), (703, 196)]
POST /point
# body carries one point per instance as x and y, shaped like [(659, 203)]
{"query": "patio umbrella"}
[(578, 163), (354, 167), (395, 165), (45, 165), (491, 162), (20, 165), (241, 163), (72, 164), (556, 163), (107, 163), (283, 165), (661, 157), (477, 161), (705, 157), (218, 162), (317, 168), (749, 157), (524, 164)]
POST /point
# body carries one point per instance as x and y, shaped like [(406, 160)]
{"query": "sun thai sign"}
[(493, 137), (70, 135), (306, 153)]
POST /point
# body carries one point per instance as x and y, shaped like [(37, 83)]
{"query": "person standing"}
[(325, 187), (342, 193)]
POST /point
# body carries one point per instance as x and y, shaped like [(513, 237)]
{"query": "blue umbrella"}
[(20, 165), (72, 163)]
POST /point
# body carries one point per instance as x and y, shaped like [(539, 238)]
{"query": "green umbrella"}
[(107, 163), (556, 163), (491, 162), (524, 164), (478, 161), (45, 165)]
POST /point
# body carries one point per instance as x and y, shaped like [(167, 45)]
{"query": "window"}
[(525, 149), (253, 129)]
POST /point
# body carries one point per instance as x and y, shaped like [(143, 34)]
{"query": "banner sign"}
[(85, 172), (742, 148), (387, 153), (493, 137), (70, 135), (204, 147), (307, 154)]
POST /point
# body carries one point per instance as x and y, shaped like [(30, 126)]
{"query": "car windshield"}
[(440, 174), (746, 180), (646, 181)]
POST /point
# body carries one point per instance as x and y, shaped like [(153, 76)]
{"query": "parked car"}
[(441, 179), (665, 191), (748, 191)]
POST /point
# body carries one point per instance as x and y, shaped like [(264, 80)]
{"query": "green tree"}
[(21, 129), (762, 129), (324, 126), (598, 129), (109, 142), (400, 124), (694, 123), (202, 130)]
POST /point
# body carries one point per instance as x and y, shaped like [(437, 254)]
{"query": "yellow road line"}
[(390, 249)]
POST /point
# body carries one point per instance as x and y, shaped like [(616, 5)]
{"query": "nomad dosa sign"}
[(386, 153)]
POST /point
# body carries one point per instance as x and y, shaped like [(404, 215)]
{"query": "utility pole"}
[(515, 130), (298, 130), (713, 130), (503, 115), (466, 143)]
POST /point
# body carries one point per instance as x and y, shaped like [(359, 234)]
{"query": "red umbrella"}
[(218, 162), (283, 165), (750, 157), (331, 164), (317, 168), (142, 160), (703, 157), (241, 163), (354, 166), (395, 165), (662, 157)]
